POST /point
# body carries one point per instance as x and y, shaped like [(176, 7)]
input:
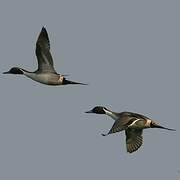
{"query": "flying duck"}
[(46, 73), (132, 123)]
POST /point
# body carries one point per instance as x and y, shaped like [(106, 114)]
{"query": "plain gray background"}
[(128, 52)]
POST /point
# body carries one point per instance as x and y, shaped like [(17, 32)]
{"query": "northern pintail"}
[(45, 73), (132, 123)]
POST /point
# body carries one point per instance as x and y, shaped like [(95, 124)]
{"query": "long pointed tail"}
[(65, 81)]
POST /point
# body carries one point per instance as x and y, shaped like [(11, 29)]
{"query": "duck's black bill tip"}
[(89, 111), (104, 134), (7, 72)]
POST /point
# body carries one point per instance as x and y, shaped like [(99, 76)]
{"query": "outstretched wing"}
[(121, 124), (45, 61), (134, 139)]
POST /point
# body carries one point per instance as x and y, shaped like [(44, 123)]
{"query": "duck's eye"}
[(96, 109)]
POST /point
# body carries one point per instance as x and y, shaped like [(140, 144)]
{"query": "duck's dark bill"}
[(6, 72), (89, 111)]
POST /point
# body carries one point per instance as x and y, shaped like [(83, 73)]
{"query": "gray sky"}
[(129, 53)]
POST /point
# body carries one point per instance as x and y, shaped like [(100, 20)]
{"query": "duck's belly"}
[(48, 79)]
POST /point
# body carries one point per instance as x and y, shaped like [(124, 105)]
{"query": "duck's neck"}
[(112, 114)]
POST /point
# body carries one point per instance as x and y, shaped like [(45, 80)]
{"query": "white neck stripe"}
[(111, 114)]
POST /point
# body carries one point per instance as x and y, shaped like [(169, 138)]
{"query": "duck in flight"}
[(132, 123), (46, 73)]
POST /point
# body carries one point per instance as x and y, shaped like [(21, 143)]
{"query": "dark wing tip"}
[(44, 32), (43, 39), (133, 147), (43, 28), (104, 134), (134, 140)]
